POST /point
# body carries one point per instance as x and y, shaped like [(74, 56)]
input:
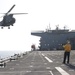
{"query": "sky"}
[(41, 14)]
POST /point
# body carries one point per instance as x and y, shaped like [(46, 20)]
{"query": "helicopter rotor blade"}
[(18, 13), (15, 13), (10, 9)]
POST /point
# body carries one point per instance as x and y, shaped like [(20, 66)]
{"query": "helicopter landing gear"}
[(8, 27), (1, 27)]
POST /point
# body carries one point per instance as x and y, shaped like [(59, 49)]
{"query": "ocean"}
[(4, 54)]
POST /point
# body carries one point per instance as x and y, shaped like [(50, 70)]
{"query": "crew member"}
[(67, 48)]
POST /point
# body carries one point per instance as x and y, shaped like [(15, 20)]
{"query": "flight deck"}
[(40, 63)]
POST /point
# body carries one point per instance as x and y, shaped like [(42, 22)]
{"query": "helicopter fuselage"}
[(8, 20)]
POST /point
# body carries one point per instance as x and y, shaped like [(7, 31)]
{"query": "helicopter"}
[(8, 19)]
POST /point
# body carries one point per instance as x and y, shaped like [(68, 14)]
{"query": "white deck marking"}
[(48, 68), (43, 55), (48, 59), (31, 66), (28, 71), (51, 72), (17, 64), (62, 71), (14, 72), (11, 68), (62, 65), (25, 72), (45, 63)]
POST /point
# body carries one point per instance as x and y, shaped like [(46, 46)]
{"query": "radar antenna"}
[(57, 27), (64, 27)]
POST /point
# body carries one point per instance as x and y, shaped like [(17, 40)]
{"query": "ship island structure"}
[(55, 39)]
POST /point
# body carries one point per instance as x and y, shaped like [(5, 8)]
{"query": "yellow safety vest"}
[(67, 47)]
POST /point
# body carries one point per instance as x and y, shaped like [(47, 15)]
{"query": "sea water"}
[(5, 54)]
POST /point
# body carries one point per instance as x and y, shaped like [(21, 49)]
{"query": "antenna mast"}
[(49, 27)]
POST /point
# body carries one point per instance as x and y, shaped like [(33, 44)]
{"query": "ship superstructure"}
[(55, 39)]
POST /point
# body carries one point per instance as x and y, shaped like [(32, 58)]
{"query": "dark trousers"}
[(66, 57)]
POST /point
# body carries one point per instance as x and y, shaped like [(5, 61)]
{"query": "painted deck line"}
[(25, 72), (43, 55), (48, 59), (51, 72), (63, 72), (14, 72)]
